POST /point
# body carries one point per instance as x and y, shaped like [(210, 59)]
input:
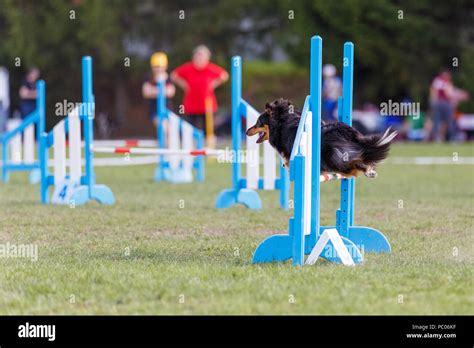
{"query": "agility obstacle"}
[(177, 153), (71, 186), (175, 166), (344, 242), (18, 143), (243, 189)]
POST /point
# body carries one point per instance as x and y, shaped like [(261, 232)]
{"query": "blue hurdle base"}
[(370, 239), (246, 197), (177, 176), (101, 193), (35, 176), (279, 247), (5, 177), (158, 176)]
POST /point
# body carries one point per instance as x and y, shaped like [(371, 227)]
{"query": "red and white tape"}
[(155, 151), (330, 177)]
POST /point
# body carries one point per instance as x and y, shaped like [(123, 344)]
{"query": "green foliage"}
[(396, 53)]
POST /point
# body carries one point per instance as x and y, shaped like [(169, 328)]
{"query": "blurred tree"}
[(400, 44)]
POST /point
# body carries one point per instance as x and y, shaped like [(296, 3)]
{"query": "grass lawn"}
[(164, 249)]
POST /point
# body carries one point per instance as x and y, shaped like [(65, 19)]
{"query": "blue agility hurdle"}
[(181, 135), (18, 143), (243, 189), (344, 242), (72, 187)]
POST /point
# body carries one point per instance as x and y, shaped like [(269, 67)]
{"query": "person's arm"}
[(433, 94), (149, 91), (181, 82), (220, 79), (449, 91), (26, 93), (170, 90), (221, 76)]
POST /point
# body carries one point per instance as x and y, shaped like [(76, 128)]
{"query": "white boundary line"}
[(430, 160)]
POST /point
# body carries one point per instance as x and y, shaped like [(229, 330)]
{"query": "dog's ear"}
[(269, 109)]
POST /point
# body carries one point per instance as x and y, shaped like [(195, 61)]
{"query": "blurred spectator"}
[(442, 111), (28, 92), (332, 90), (159, 67), (4, 97), (416, 127), (198, 79)]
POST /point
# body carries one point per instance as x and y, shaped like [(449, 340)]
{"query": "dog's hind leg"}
[(370, 172)]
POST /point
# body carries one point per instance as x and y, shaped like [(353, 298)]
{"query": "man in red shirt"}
[(198, 79)]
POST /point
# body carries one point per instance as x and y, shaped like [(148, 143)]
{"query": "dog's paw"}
[(371, 174)]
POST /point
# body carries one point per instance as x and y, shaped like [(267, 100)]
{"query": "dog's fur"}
[(344, 150)]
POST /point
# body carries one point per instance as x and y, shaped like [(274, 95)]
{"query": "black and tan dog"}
[(344, 150)]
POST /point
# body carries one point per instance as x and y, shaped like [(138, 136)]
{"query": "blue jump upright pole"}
[(100, 193), (345, 115), (315, 93), (237, 194), (43, 149), (199, 161), (160, 129), (87, 189), (163, 171), (87, 116), (236, 73), (366, 239)]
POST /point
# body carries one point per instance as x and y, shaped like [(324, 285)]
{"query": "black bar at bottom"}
[(289, 330)]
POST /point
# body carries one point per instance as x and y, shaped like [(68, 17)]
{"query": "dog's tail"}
[(376, 147)]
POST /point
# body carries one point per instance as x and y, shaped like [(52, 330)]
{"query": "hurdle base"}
[(159, 175), (5, 177), (178, 176), (174, 176), (35, 176), (369, 239), (100, 193), (278, 248), (246, 197)]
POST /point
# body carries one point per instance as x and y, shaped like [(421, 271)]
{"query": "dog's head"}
[(273, 111)]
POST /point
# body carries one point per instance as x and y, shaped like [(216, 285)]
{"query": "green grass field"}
[(164, 249)]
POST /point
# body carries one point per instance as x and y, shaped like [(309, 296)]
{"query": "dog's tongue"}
[(260, 136)]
